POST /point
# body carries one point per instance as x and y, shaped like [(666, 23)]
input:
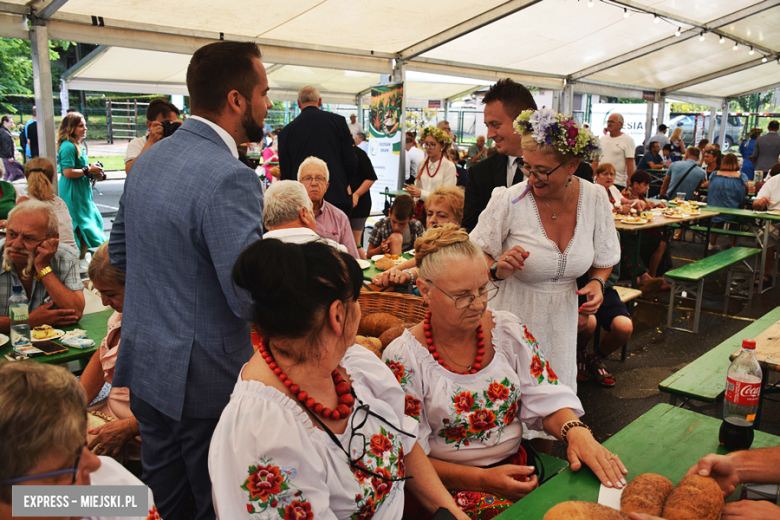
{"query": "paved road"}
[(107, 200)]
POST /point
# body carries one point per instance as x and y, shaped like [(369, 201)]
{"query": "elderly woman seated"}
[(315, 426), (118, 436), (443, 206), (605, 176), (43, 420), (474, 378)]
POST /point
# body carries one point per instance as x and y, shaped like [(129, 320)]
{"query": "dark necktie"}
[(519, 176)]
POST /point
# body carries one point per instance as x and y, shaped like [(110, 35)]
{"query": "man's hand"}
[(385, 246), (155, 133), (45, 315), (110, 438), (761, 204), (44, 253), (750, 510), (719, 467)]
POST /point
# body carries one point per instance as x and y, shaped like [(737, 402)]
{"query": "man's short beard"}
[(8, 265), (254, 132)]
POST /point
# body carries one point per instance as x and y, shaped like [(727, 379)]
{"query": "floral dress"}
[(268, 460), (477, 419)]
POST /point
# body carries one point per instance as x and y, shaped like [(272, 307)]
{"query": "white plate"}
[(641, 221), (674, 216), (379, 257), (618, 217), (58, 334), (773, 212), (4, 339), (364, 264)]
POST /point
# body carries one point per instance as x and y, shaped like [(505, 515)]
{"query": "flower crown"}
[(437, 133), (559, 131)]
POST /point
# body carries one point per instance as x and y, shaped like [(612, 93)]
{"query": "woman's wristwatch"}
[(493, 272)]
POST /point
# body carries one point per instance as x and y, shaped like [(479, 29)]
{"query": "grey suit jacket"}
[(188, 210)]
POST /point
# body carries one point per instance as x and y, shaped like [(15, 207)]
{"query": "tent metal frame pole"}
[(649, 119), (711, 129), (724, 119), (661, 100), (44, 100), (568, 107)]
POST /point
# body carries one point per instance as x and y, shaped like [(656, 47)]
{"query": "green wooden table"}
[(666, 440), (372, 271), (95, 324)]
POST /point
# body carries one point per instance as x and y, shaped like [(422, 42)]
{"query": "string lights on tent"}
[(590, 3), (678, 32), (736, 46), (752, 52), (763, 60), (701, 36), (625, 13)]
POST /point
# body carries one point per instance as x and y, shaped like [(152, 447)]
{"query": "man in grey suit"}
[(189, 208), (767, 149)]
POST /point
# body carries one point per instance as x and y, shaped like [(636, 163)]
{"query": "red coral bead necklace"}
[(343, 389), (474, 368)]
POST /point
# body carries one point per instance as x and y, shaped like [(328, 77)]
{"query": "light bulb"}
[(763, 60), (736, 46), (625, 13), (701, 36), (752, 52), (722, 40), (678, 31), (656, 19), (590, 3)]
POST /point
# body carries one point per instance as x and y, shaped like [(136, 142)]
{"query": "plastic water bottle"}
[(20, 318), (743, 388)]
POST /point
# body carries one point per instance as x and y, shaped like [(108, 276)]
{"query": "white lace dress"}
[(543, 295)]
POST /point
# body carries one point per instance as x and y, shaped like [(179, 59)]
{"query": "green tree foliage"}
[(16, 74)]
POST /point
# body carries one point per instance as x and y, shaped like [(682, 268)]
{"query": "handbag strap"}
[(681, 180)]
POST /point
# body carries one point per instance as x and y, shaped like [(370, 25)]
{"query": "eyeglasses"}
[(542, 176), (314, 180), (74, 470), (613, 122), (466, 301), (429, 145)]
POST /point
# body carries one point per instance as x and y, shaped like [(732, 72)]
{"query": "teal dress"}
[(77, 194)]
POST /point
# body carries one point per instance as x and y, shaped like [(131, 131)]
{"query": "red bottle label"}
[(741, 393)]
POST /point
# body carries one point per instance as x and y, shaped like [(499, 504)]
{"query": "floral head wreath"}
[(559, 131), (437, 133)]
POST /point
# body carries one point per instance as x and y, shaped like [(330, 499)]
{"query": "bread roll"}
[(390, 334), (647, 493), (694, 498), (583, 511), (383, 264), (372, 344), (375, 324)]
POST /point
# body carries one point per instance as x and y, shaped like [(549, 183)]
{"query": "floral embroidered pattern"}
[(154, 514), (540, 367), (384, 458), (412, 408), (270, 487), (402, 375), (480, 415)]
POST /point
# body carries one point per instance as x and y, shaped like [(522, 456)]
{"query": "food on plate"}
[(632, 220), (694, 498), (375, 324), (372, 344), (385, 263), (583, 511), (43, 332), (646, 493)]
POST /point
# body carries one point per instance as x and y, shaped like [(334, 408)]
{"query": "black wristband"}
[(492, 272), (85, 169)]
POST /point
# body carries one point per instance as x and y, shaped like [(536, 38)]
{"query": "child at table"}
[(397, 232)]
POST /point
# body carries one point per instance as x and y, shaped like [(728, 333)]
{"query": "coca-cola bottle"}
[(743, 387)]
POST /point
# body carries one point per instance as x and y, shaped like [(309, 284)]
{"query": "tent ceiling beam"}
[(466, 92), (45, 9), (466, 27), (757, 90), (7, 7), (686, 35), (273, 68), (181, 44), (94, 54), (714, 75), (13, 26)]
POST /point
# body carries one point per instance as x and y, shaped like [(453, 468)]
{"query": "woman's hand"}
[(414, 191), (705, 184), (501, 481), (584, 448), (511, 261), (391, 277), (593, 291), (640, 205), (625, 209), (355, 199), (97, 171), (110, 438)]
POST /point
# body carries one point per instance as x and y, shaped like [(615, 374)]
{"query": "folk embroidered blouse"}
[(478, 419), (268, 460)]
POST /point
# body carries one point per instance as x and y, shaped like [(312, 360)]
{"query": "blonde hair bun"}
[(439, 246)]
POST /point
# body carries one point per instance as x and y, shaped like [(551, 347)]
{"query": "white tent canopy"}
[(344, 44)]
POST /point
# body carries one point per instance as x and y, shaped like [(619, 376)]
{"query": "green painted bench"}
[(704, 379), (719, 231), (690, 278)]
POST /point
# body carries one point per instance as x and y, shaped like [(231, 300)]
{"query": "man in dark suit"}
[(188, 210), (503, 103), (316, 133)]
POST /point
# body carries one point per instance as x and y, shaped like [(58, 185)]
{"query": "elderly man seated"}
[(31, 259), (331, 222), (288, 215)]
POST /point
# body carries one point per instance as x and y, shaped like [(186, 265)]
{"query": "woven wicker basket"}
[(410, 309)]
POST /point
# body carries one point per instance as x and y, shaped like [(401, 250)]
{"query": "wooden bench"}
[(691, 278), (704, 379)]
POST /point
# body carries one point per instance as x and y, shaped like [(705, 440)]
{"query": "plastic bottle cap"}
[(749, 344), (17, 288)]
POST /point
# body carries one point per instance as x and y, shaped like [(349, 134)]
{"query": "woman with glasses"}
[(43, 420), (473, 377), (315, 427), (544, 233), (437, 170)]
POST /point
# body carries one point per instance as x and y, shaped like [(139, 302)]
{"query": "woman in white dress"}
[(315, 427), (474, 377), (437, 170), (544, 233)]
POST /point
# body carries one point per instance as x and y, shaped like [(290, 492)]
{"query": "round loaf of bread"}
[(646, 493), (694, 498), (375, 324), (383, 264), (583, 511)]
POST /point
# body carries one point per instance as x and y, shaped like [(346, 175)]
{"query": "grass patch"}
[(111, 162)]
